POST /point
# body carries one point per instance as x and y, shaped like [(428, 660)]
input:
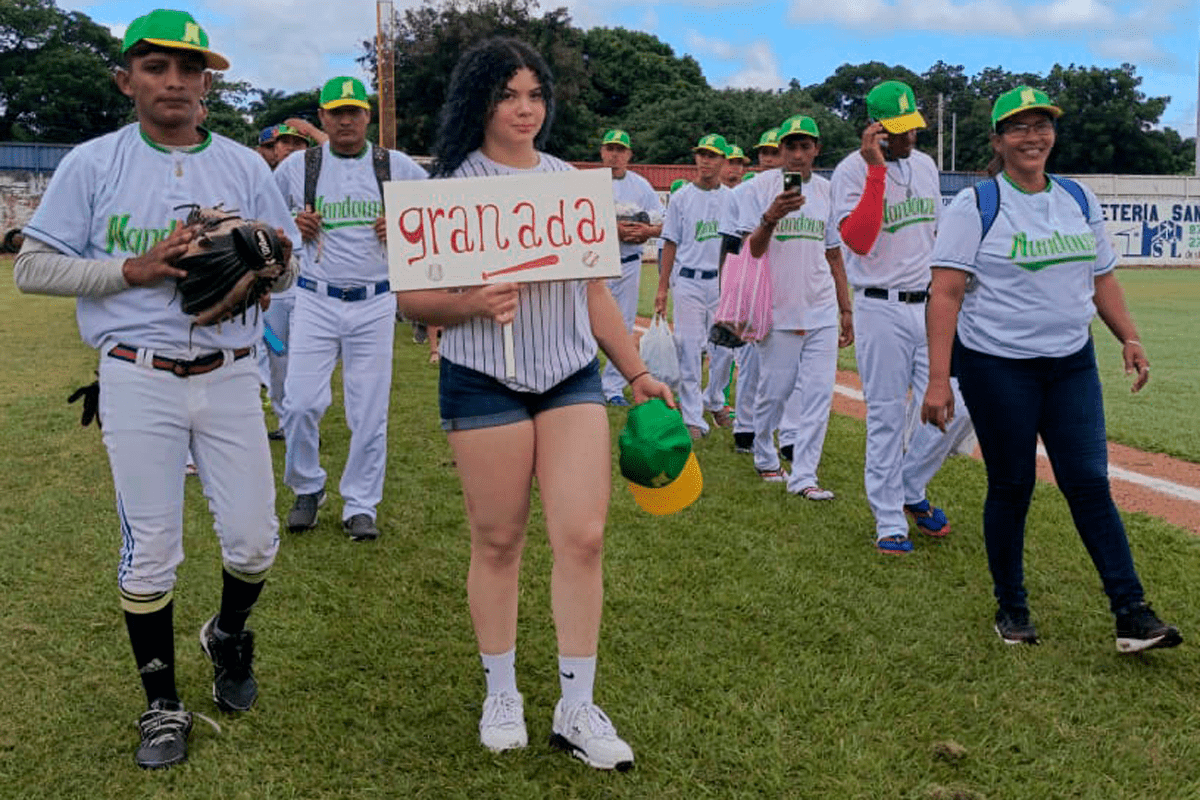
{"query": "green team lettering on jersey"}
[(121, 237), (348, 212), (907, 212), (706, 229), (1057, 249), (800, 227)]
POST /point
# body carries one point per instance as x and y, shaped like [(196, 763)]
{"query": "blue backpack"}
[(987, 199)]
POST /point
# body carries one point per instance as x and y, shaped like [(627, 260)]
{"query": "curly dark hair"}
[(476, 85)]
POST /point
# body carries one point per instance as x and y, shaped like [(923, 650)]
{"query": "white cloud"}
[(756, 66), (973, 16), (1138, 50)]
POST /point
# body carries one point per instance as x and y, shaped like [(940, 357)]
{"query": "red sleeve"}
[(860, 229)]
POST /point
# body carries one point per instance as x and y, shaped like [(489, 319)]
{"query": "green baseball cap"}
[(713, 142), (283, 129), (174, 30), (736, 152), (616, 136), (799, 125), (1022, 98), (768, 139), (893, 104), (748, 176), (677, 184), (657, 458), (344, 91)]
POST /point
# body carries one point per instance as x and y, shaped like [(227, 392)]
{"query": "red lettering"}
[(587, 229), (527, 235), (460, 239), (479, 210), (556, 222), (413, 234), (434, 215)]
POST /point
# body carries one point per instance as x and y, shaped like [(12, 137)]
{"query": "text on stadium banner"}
[(544, 226)]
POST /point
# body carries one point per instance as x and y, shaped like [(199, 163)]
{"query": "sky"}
[(297, 44)]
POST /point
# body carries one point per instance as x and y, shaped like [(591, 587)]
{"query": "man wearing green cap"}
[(639, 219), (108, 232), (345, 308), (887, 197), (736, 162), (689, 267)]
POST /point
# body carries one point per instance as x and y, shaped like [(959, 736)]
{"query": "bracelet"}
[(635, 377), (1128, 342)]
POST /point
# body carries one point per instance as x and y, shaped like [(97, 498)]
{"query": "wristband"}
[(1128, 342), (635, 377)]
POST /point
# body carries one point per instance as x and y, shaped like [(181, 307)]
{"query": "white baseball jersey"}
[(731, 224), (802, 289), (692, 222), (347, 253), (117, 195), (633, 193), (1033, 274), (552, 331), (911, 204)]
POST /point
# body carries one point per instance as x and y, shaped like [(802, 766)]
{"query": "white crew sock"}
[(577, 676), (500, 672)]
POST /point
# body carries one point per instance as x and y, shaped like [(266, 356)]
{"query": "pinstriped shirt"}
[(552, 333)]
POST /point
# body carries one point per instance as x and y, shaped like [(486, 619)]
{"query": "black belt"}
[(197, 366), (631, 258), (349, 294), (704, 275), (903, 297)]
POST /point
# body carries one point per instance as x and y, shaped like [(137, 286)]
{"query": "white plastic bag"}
[(658, 351)]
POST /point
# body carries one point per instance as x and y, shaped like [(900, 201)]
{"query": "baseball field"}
[(754, 645)]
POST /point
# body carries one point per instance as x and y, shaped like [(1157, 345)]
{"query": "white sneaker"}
[(587, 733), (502, 725)]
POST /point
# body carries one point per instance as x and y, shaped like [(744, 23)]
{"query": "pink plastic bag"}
[(745, 305)]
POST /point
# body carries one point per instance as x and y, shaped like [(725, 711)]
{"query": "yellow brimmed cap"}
[(174, 30)]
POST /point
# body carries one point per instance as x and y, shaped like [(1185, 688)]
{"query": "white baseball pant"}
[(695, 306), (625, 291)]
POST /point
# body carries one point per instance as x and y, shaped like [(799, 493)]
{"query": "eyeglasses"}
[(1025, 128)]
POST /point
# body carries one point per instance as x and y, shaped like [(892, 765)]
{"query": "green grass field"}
[(754, 645)]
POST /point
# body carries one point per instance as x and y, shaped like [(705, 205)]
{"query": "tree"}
[(56, 74), (628, 69)]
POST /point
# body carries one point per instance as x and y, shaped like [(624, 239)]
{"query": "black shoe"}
[(276, 435), (1014, 626), (303, 515), (361, 528), (164, 729), (785, 453), (232, 656), (1139, 628), (743, 442)]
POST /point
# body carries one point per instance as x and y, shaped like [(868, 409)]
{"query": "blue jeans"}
[(1012, 401)]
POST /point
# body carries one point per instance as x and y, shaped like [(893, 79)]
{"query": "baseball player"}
[(689, 267), (810, 308), (344, 309), (107, 231), (886, 203), (736, 162), (639, 219)]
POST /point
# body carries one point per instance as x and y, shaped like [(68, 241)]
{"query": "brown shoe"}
[(722, 417)]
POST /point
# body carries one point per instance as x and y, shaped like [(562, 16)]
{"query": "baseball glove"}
[(230, 264)]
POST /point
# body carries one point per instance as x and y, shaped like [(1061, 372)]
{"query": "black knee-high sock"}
[(153, 638), (237, 598)]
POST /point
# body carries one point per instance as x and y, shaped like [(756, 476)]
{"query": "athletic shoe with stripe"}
[(164, 729), (1139, 628), (930, 520), (894, 545), (232, 656), (586, 732), (1013, 626), (776, 475), (502, 724)]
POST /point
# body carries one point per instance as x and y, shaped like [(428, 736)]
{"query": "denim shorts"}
[(469, 399)]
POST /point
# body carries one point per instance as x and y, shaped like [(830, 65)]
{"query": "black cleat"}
[(1139, 628), (164, 728), (303, 515), (361, 528), (1014, 627), (232, 656)]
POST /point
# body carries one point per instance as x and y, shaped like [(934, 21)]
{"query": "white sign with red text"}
[(544, 226)]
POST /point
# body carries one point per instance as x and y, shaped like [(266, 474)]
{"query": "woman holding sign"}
[(547, 421)]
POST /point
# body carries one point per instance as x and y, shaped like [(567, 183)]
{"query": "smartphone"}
[(793, 181)]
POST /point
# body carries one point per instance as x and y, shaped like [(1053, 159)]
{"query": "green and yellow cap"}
[(768, 139), (344, 91), (677, 184), (616, 136), (799, 125), (657, 458), (283, 129), (713, 142), (174, 30), (736, 152), (893, 104), (1022, 98)]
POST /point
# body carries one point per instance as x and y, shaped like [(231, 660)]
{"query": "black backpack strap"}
[(312, 170), (381, 160)]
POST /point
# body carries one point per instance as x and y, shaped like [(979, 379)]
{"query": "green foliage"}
[(56, 74), (226, 104), (274, 106)]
